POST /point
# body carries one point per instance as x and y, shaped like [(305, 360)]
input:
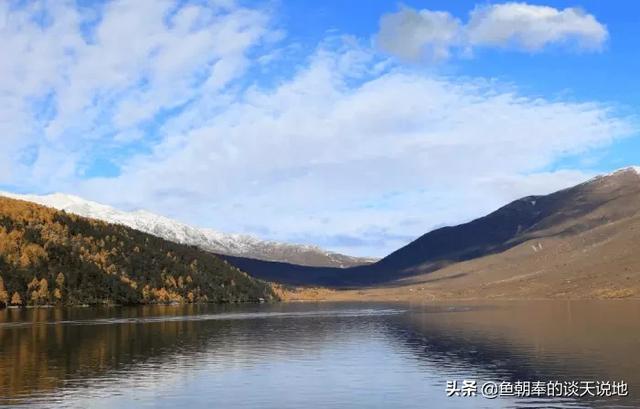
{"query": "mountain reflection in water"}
[(312, 355)]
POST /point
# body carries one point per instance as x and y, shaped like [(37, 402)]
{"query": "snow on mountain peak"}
[(635, 169), (621, 171), (207, 239)]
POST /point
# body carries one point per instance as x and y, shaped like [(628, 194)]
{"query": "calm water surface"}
[(313, 355)]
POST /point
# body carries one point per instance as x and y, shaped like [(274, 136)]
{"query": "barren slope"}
[(582, 242)]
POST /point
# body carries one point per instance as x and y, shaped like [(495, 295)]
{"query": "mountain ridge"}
[(538, 211), (568, 214), (585, 213), (204, 238)]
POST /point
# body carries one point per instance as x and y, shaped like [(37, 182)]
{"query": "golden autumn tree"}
[(32, 289), (31, 254), (16, 299), (39, 291), (161, 295), (43, 291), (4, 295), (57, 294)]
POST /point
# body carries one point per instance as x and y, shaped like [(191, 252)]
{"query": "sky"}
[(356, 126)]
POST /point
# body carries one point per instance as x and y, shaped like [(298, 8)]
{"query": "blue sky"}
[(353, 125), (608, 75)]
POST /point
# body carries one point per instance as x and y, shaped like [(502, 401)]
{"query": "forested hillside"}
[(51, 257)]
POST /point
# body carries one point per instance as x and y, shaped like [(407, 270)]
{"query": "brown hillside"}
[(587, 247)]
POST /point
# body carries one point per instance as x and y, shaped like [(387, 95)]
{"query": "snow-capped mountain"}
[(635, 169), (207, 239)]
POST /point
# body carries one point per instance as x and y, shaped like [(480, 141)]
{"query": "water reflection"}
[(546, 341), (310, 355)]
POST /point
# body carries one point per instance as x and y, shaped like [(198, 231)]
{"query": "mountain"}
[(48, 256), (569, 211), (537, 236), (206, 239), (582, 241), (585, 245)]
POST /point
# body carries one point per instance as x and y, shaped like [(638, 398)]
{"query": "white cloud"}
[(350, 151), (337, 153), (415, 35), (532, 28), (103, 72)]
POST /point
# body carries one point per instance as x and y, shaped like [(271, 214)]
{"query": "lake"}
[(322, 355)]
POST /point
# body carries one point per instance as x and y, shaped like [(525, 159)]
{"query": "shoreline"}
[(292, 295), (412, 295)]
